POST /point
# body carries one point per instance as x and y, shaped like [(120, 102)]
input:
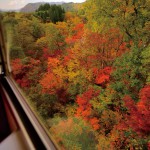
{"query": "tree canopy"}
[(50, 13), (88, 76)]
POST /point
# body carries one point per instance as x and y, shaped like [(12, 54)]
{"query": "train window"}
[(0, 63), (83, 68), (1, 58)]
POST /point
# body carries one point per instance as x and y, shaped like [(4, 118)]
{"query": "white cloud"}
[(12, 3), (16, 3)]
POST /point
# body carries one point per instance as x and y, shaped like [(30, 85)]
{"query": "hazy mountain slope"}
[(31, 7)]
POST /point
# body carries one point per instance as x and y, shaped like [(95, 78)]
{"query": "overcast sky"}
[(16, 4)]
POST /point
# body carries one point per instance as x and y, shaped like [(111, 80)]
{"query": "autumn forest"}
[(86, 71)]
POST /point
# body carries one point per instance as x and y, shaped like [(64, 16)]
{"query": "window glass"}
[(84, 68)]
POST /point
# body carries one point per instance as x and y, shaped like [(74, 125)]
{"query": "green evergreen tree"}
[(50, 13)]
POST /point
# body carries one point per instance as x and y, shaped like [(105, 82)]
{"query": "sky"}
[(17, 4)]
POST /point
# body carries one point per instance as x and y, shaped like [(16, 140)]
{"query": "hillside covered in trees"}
[(88, 74), (32, 7)]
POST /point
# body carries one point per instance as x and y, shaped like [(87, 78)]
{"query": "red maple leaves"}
[(24, 72), (139, 118), (103, 76), (85, 108), (77, 34)]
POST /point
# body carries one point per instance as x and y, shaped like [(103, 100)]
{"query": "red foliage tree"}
[(24, 73), (103, 76), (47, 54), (139, 118), (85, 108), (19, 72), (77, 34)]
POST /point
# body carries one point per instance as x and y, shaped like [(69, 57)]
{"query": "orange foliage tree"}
[(85, 108), (103, 76)]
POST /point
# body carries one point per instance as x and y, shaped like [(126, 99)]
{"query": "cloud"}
[(16, 3), (13, 2)]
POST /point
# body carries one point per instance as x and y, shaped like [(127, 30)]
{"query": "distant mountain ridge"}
[(32, 7)]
